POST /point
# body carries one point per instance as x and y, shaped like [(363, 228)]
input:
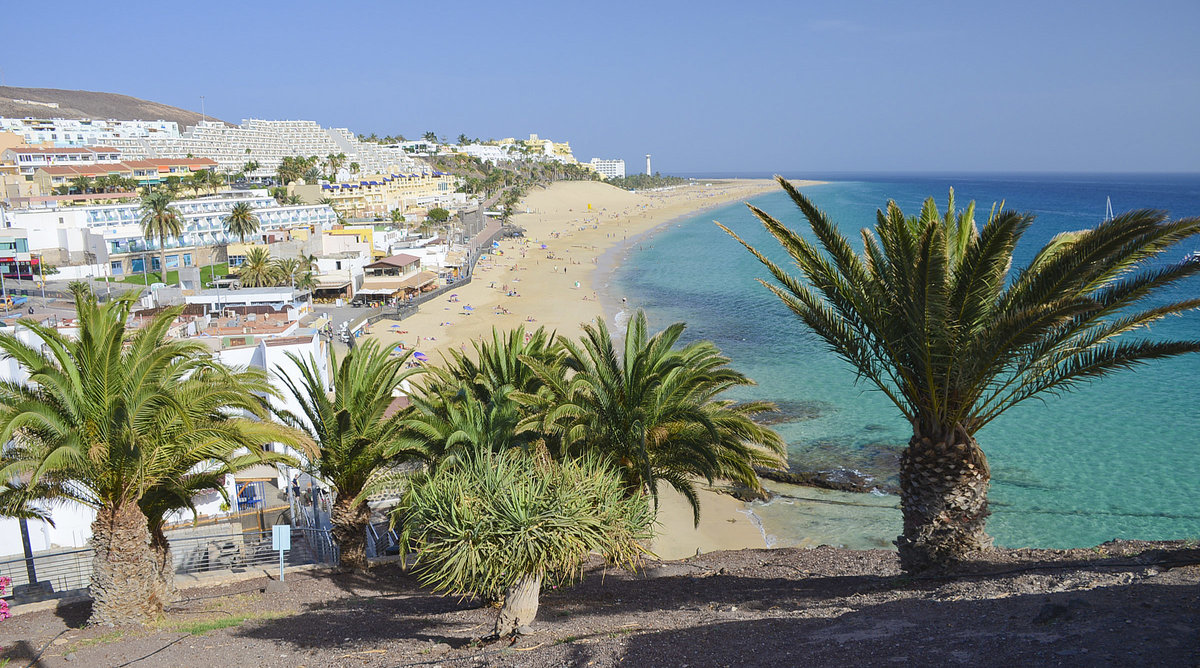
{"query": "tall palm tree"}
[(81, 184), (160, 221), (929, 315), (352, 431), (116, 420), (286, 269), (335, 162), (257, 270), (651, 412), (241, 221)]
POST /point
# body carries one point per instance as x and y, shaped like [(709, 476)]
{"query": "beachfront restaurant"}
[(383, 290)]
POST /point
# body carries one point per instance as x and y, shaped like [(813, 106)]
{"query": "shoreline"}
[(559, 276)]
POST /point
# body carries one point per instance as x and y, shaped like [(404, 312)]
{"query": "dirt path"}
[(1127, 603)]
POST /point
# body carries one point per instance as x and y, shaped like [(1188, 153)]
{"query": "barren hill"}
[(89, 104)]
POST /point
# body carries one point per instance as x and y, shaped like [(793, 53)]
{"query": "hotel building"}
[(609, 169), (111, 234)]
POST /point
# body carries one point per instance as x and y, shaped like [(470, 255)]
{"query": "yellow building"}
[(378, 195)]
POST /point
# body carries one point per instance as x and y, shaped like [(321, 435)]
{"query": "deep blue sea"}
[(1119, 458)]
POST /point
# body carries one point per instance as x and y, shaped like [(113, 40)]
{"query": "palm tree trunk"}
[(349, 530), (943, 496), (164, 566), (123, 590), (520, 604)]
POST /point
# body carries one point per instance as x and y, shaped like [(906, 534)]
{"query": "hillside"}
[(89, 104)]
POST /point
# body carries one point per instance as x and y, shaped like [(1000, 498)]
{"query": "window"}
[(236, 260), (187, 259), (339, 264), (137, 265), (116, 267), (155, 263), (172, 262)]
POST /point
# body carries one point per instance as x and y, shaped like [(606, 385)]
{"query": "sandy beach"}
[(553, 278)]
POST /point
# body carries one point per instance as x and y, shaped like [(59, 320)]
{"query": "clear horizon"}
[(811, 88)]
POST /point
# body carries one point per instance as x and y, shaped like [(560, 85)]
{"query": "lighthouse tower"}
[(648, 172)]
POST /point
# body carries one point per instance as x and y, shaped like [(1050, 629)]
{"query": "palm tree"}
[(652, 412), (354, 168), (257, 270), (929, 315), (241, 221), (160, 221), (81, 184), (335, 162), (352, 432), (114, 419), (250, 167), (468, 408), (286, 269)]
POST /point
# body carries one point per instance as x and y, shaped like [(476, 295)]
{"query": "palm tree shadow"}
[(74, 614), (384, 604)]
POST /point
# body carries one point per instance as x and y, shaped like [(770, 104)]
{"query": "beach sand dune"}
[(553, 278)]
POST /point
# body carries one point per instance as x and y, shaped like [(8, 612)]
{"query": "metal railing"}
[(237, 552), (65, 571), (207, 555)]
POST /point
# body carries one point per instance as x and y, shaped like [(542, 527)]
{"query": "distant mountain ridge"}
[(90, 104)]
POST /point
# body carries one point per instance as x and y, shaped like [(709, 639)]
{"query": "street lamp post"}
[(42, 278)]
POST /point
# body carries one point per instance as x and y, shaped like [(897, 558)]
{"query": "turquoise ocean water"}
[(1119, 458)]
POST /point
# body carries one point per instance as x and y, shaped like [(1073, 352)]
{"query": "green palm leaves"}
[(257, 269), (653, 411), (930, 315), (160, 221), (241, 221), (131, 424), (353, 429)]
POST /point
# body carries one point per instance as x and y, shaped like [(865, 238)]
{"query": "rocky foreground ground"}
[(1123, 603)]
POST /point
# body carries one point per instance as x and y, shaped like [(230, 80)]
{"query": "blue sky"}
[(796, 87)]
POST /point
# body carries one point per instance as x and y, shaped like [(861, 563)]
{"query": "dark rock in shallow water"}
[(793, 411), (842, 480), (847, 463)]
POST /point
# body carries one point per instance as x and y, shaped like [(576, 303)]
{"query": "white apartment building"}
[(63, 132), (267, 143), (29, 159), (111, 234), (609, 169)]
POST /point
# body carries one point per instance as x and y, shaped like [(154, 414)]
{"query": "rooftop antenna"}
[(202, 114)]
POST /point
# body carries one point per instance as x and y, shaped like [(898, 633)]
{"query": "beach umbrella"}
[(454, 295), (543, 245), (395, 326), (420, 356)]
